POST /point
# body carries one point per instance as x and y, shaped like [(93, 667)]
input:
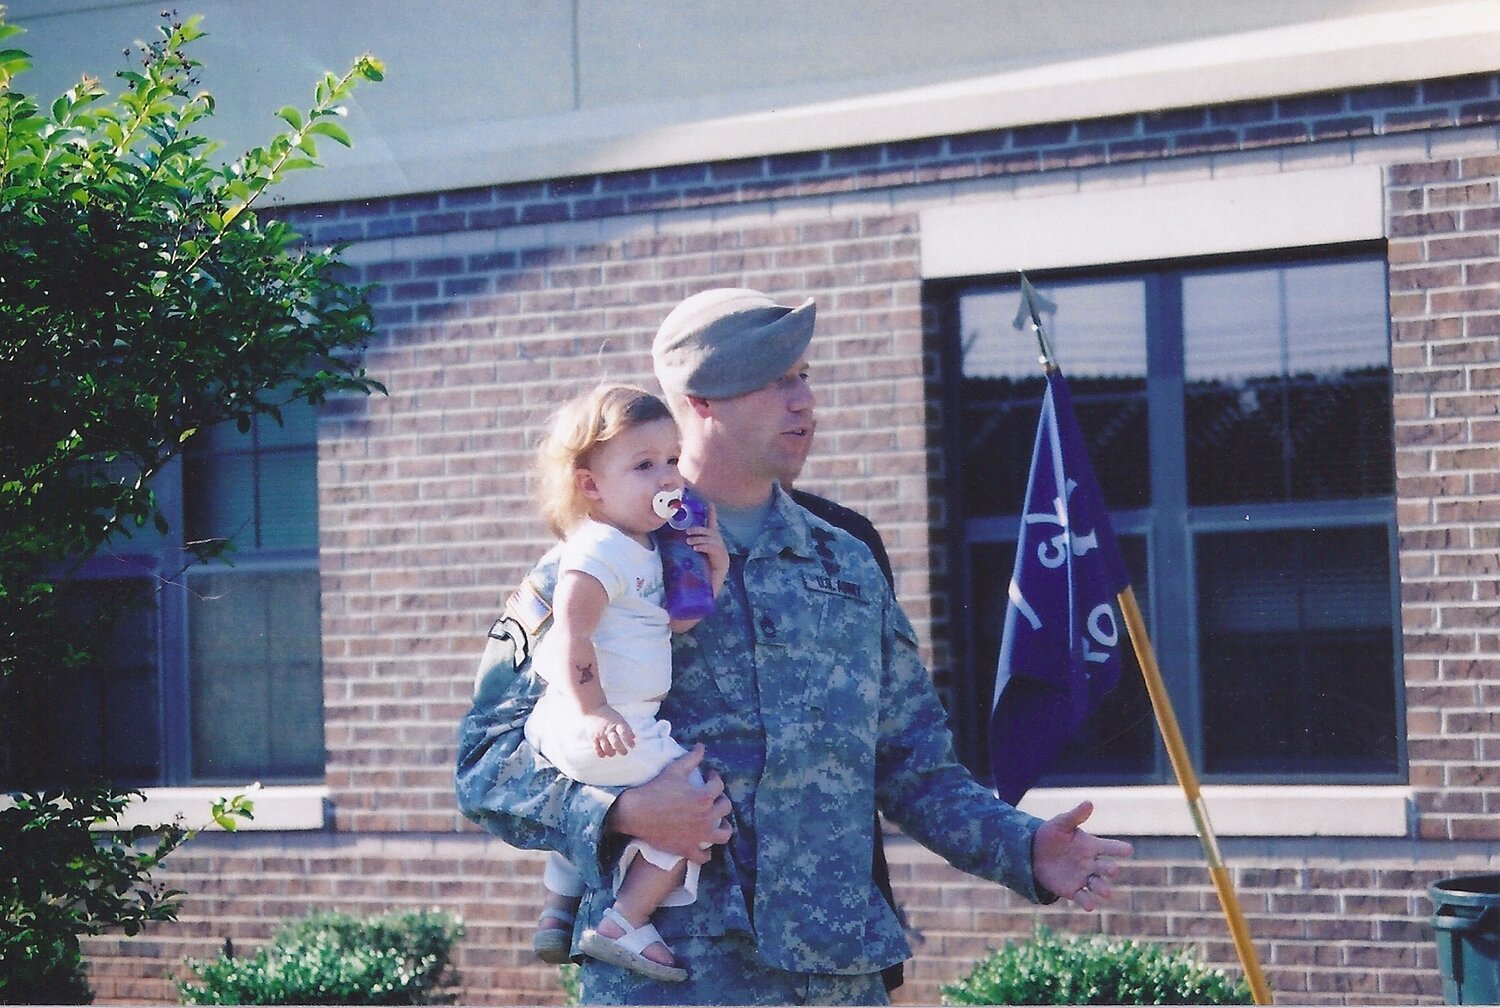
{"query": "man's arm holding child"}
[(504, 785)]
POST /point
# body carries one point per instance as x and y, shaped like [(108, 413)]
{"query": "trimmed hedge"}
[(334, 959), (1092, 969)]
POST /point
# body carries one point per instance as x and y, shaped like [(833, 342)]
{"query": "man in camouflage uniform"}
[(805, 689)]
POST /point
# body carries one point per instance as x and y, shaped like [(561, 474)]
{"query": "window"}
[(1238, 416), (214, 675), (254, 646)]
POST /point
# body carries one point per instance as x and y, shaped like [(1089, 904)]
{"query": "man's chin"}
[(793, 461)]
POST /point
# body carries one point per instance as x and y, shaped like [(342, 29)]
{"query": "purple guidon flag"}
[(1060, 653)]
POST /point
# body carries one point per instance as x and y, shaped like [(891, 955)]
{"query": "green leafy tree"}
[(63, 876), (143, 299)]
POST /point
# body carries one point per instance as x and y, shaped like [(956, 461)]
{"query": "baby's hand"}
[(707, 540), (611, 732)]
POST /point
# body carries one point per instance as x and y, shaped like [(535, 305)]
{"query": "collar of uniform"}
[(786, 526)]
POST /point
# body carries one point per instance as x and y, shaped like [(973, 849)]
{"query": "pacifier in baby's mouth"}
[(667, 504), (681, 508)]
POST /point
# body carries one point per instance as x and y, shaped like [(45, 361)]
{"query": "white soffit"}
[(457, 111), (1369, 49), (1242, 213)]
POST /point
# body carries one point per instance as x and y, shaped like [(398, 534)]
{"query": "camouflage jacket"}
[(806, 688)]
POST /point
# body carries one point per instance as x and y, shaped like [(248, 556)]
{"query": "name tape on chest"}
[(830, 585)]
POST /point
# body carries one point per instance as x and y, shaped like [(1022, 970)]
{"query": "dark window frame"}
[(1167, 526), (161, 562)]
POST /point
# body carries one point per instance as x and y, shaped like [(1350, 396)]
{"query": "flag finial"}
[(1032, 306)]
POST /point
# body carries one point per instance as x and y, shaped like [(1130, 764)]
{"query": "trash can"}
[(1466, 922)]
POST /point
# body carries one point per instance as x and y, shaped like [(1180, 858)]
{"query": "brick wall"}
[(1445, 330), (1290, 123), (495, 303), (242, 886), (427, 489), (1334, 922)]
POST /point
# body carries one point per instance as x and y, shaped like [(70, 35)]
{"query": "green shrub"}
[(1092, 969), (571, 985), (334, 959)]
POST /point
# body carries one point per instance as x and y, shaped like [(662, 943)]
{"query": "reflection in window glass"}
[(1296, 648), (1098, 337), (1288, 375), (288, 512), (254, 487), (257, 705), (254, 645)]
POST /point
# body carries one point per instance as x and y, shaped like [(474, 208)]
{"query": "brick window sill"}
[(1238, 810)]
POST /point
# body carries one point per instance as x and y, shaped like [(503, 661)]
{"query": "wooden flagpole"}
[(1187, 779), (1166, 720)]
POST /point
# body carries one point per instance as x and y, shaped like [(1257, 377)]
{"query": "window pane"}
[(288, 499), (1098, 337), (220, 497), (1117, 743), (298, 427), (101, 718), (1288, 383), (258, 489), (257, 690), (1296, 651)]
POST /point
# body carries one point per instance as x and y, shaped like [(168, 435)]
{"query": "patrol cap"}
[(724, 342)]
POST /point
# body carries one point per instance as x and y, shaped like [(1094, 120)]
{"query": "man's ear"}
[(700, 406), (587, 485)]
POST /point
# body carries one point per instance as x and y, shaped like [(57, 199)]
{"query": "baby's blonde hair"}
[(577, 429)]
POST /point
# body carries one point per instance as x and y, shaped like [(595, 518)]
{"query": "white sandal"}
[(626, 950), (554, 945)]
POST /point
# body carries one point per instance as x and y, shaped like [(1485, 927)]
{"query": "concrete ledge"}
[(1139, 223), (1238, 810), (294, 807)]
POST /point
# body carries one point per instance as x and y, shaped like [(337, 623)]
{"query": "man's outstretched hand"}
[(1073, 864)]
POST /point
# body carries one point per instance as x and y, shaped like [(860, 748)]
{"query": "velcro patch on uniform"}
[(527, 606), (834, 586)]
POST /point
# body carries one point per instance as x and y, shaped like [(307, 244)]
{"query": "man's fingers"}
[(1095, 890), (1075, 816), (687, 763)]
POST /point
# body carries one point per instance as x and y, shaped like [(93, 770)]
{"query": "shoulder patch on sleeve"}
[(528, 608)]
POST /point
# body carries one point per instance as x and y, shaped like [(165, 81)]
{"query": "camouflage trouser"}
[(726, 971)]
